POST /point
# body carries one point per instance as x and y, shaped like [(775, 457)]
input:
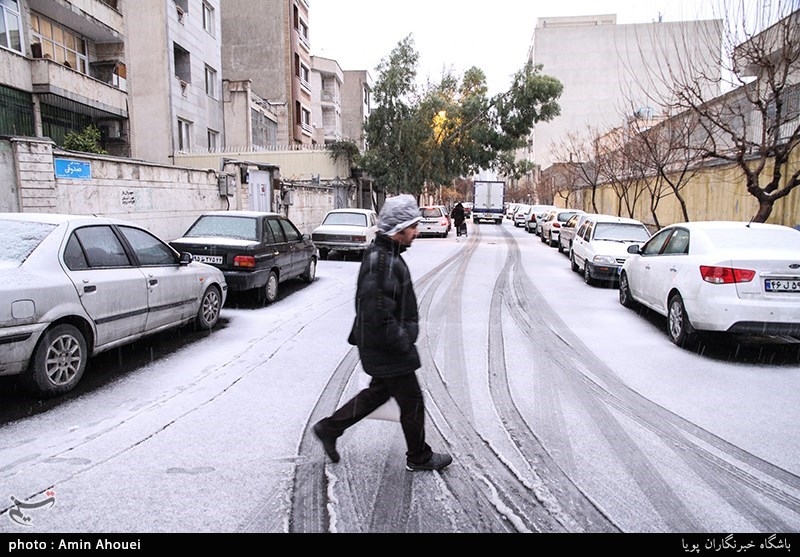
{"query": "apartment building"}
[(147, 73), (604, 67), (356, 105), (175, 76), (267, 42), (327, 80), (63, 66)]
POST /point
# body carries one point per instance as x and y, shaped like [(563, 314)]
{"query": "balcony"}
[(48, 77), (97, 21)]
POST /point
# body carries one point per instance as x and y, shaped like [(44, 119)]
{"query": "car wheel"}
[(560, 247), (311, 271), (210, 306), (587, 274), (270, 290), (625, 296), (679, 329), (550, 242), (572, 264), (323, 253), (58, 362), (541, 237)]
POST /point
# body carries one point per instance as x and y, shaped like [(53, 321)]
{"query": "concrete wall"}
[(714, 193), (295, 164), (163, 198)]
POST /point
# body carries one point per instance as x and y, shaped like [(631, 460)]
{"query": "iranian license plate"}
[(213, 259), (782, 285)]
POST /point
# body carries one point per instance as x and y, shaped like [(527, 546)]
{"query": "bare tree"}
[(755, 123), (576, 153), (663, 157)]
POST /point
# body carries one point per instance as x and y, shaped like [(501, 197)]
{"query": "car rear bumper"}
[(246, 280), (721, 313), (341, 246), (16, 346)]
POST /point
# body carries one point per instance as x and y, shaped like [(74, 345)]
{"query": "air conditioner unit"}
[(111, 129)]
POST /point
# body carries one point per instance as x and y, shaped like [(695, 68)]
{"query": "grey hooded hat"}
[(398, 212)]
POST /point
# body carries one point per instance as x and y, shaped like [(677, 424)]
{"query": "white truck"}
[(488, 201)]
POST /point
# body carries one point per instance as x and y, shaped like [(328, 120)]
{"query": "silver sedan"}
[(74, 286)]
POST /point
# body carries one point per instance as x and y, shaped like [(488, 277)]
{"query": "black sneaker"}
[(437, 461), (328, 442)]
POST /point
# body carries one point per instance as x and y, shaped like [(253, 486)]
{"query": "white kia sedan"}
[(720, 276), (74, 286), (350, 230)]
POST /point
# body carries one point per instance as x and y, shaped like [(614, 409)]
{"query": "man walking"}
[(385, 331)]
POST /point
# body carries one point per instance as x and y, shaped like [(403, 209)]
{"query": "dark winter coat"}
[(458, 215), (387, 318)]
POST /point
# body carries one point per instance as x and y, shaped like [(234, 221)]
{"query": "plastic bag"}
[(388, 411)]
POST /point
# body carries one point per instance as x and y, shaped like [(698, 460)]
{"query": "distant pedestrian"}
[(459, 219), (385, 331)]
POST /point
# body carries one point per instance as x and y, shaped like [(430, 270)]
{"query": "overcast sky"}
[(495, 36)]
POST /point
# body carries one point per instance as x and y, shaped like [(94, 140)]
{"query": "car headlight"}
[(604, 260)]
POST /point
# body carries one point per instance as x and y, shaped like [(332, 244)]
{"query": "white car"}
[(519, 215), (435, 221), (350, 230), (74, 286), (531, 215), (724, 276), (552, 225), (600, 246)]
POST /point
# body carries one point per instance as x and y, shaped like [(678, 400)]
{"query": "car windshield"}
[(224, 226), (430, 212), (348, 219), (19, 239), (621, 232), (564, 217)]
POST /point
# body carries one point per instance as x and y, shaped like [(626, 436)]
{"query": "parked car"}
[(532, 214), (519, 215), (351, 230), (600, 246), (435, 221), (568, 230), (734, 277), (74, 286), (540, 218), (256, 251), (552, 225)]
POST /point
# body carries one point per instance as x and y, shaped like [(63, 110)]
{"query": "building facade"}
[(604, 67), (327, 79), (175, 77), (63, 66), (267, 42), (356, 105)]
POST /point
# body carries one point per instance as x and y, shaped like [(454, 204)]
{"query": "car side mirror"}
[(306, 237), (186, 258), (634, 249)]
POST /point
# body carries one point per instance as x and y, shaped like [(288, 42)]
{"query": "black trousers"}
[(406, 391)]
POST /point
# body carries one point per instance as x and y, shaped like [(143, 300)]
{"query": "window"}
[(183, 63), (208, 18), (182, 7), (150, 251), (213, 140), (184, 135), (211, 82), (101, 247), (10, 25), (58, 43)]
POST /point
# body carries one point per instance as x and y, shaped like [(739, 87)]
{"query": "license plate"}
[(213, 259), (773, 285)]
